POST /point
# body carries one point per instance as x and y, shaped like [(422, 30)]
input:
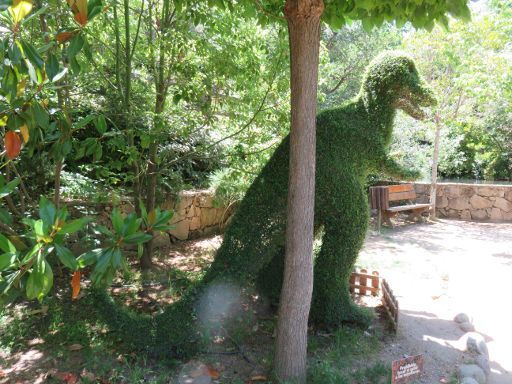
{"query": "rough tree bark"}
[(303, 18)]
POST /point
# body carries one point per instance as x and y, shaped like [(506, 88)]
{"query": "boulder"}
[(467, 191), (467, 326), (195, 224), (475, 343), (472, 371), (496, 214), (479, 202), (503, 204), (441, 202), (459, 203), (465, 215), (461, 318), (491, 191), (483, 362), (479, 214), (181, 230)]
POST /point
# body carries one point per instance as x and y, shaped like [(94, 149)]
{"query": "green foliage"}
[(24, 265), (469, 67), (351, 140)]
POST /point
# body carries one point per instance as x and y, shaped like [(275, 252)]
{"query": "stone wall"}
[(480, 202), (195, 214)]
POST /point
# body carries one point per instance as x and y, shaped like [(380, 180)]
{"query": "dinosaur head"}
[(392, 80)]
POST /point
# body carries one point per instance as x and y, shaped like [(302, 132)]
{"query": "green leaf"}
[(117, 221), (52, 66), (32, 54), (89, 258), (42, 118), (66, 257), (7, 259), (5, 216), (75, 45), (75, 225), (38, 228), (34, 284), (116, 258), (39, 282), (75, 66), (8, 188), (47, 211), (136, 238), (6, 245), (101, 124), (94, 7)]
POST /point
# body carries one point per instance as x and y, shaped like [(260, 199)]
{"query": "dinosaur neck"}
[(381, 114)]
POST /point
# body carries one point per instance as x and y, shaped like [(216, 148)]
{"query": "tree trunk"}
[(303, 18), (435, 158)]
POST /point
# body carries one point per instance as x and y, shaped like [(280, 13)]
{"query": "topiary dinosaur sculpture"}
[(351, 141)]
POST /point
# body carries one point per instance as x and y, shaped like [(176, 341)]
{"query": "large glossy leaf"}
[(79, 8), (75, 225), (32, 54), (39, 282), (136, 238), (6, 260), (19, 9), (66, 257), (6, 245), (47, 211), (12, 144), (76, 44), (75, 284)]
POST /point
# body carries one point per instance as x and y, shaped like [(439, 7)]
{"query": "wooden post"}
[(362, 282), (375, 283)]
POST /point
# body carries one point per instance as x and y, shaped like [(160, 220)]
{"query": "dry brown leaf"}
[(213, 373)]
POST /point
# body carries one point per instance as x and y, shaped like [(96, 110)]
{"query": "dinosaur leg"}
[(345, 229)]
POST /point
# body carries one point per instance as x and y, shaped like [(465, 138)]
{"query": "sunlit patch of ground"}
[(438, 270)]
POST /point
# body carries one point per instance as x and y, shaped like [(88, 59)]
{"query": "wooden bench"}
[(381, 196)]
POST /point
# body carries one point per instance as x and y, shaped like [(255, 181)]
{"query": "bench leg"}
[(387, 218)]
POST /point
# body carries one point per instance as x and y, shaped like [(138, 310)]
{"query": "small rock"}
[(472, 371), (461, 318), (476, 343), (468, 380), (467, 327), (483, 362)]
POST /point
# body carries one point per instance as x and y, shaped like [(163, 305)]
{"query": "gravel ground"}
[(437, 270)]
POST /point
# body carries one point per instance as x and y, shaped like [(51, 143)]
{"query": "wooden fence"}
[(390, 304), (363, 283)]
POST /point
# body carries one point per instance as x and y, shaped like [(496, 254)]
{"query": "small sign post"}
[(405, 370)]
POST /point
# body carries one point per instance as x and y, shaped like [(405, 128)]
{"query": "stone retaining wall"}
[(480, 202), (195, 214)]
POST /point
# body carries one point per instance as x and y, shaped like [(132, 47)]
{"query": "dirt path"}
[(438, 270)]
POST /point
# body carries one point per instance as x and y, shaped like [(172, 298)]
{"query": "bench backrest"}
[(382, 195), (401, 192)]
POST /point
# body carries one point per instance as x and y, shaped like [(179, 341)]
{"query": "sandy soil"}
[(436, 271)]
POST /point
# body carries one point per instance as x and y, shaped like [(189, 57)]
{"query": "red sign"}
[(405, 370)]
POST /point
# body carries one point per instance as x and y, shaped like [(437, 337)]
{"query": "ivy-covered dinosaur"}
[(351, 141)]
